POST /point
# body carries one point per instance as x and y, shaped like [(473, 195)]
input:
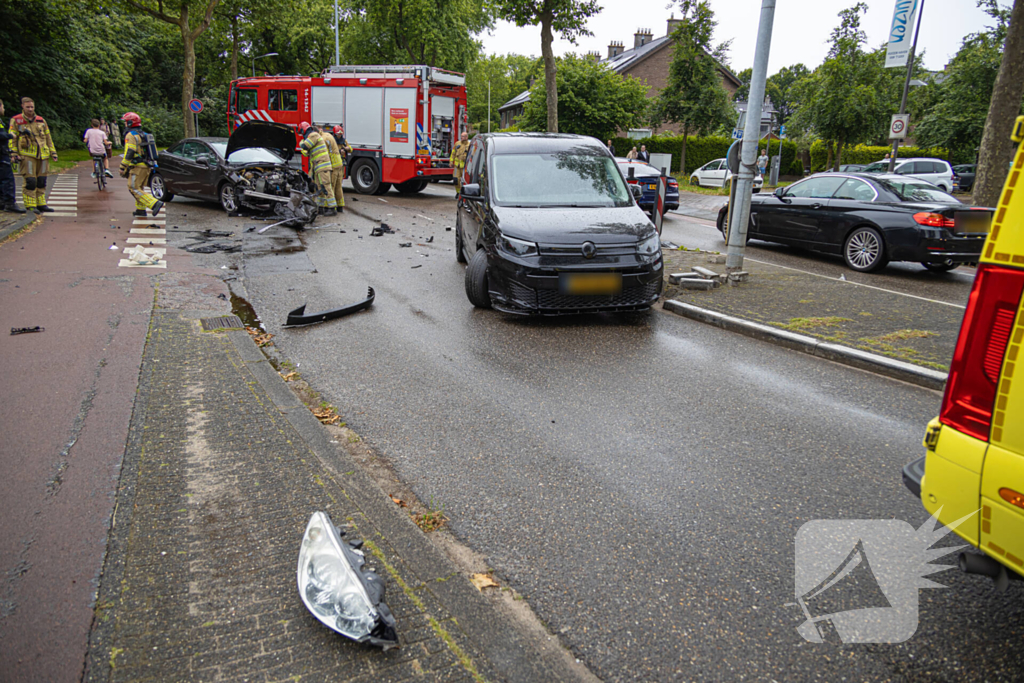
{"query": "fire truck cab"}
[(401, 121)]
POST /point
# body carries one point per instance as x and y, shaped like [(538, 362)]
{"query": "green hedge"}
[(700, 151), (863, 154)]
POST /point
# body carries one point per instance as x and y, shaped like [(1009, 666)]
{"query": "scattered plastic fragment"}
[(405, 244), (26, 330), (298, 317)]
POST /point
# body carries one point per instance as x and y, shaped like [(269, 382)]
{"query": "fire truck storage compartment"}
[(328, 106), (442, 111), (400, 118)]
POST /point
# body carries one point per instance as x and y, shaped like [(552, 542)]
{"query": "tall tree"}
[(743, 92), (190, 29), (593, 100), (694, 95), (566, 17), (779, 89), (996, 146), (432, 32), (839, 101), (506, 75)]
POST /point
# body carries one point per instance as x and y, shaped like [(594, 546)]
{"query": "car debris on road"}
[(298, 318)]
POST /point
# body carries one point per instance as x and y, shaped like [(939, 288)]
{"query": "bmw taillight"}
[(980, 349), (934, 220)]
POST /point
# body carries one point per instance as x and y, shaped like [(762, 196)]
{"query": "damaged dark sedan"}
[(549, 226), (248, 171)]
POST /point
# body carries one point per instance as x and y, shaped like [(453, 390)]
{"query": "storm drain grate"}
[(221, 322)]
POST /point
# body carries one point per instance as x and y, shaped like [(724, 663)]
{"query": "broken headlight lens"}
[(336, 590), (649, 248), (517, 247)]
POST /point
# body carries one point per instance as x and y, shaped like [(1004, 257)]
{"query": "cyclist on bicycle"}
[(98, 143)]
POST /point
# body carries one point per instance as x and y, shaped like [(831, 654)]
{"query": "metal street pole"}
[(337, 57), (906, 85), (269, 54), (488, 106), (751, 138)]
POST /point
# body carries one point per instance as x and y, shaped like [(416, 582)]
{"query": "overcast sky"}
[(801, 29)]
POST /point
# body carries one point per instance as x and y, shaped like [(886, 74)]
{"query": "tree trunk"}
[(682, 153), (550, 86), (188, 79), (839, 154), (996, 151), (828, 161), (234, 48)]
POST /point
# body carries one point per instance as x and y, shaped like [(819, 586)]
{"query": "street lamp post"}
[(269, 54)]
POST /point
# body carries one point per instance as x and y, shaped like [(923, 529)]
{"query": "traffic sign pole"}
[(906, 86)]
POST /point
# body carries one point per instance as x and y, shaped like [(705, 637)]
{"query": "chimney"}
[(642, 37), (672, 23), (594, 56), (614, 49)]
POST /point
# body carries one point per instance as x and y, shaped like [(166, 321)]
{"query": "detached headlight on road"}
[(337, 591), (650, 247), (517, 247)]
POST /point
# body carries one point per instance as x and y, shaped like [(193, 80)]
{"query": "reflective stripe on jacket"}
[(459, 153), (32, 138), (133, 144), (314, 147)]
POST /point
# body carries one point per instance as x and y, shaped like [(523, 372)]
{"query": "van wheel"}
[(365, 176), (864, 250), (460, 253), (476, 280)]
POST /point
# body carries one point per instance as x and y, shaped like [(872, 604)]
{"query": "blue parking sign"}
[(196, 106)]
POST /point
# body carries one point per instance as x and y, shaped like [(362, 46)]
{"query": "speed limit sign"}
[(898, 126)]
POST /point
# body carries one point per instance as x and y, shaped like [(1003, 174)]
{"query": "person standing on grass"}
[(8, 202), (762, 162), (99, 145)]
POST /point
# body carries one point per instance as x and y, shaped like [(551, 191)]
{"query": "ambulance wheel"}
[(365, 176), (412, 186), (383, 188)]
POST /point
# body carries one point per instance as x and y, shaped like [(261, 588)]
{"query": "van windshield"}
[(574, 178)]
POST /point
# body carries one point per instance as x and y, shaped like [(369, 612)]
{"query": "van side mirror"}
[(636, 191), (471, 191)]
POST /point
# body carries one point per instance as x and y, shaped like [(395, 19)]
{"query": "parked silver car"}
[(935, 171)]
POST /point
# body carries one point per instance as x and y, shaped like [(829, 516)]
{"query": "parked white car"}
[(934, 171), (716, 174)]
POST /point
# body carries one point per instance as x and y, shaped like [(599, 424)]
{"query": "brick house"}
[(648, 60)]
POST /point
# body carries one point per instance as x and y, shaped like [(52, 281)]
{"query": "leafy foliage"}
[(866, 154), (701, 150), (593, 100), (508, 76)]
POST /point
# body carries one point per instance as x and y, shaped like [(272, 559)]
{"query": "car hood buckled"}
[(277, 137)]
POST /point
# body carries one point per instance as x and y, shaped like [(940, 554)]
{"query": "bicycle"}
[(99, 171)]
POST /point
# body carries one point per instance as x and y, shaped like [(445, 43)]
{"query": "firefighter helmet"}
[(303, 127), (132, 119), (338, 130)]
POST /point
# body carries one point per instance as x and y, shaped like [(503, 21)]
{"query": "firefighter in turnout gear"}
[(33, 147), (314, 147), (338, 150), (136, 163), (458, 160)]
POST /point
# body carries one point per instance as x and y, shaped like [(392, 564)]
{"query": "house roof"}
[(623, 62)]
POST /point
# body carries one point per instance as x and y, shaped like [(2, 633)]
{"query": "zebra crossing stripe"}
[(128, 263), (149, 250), (147, 231), (146, 240)]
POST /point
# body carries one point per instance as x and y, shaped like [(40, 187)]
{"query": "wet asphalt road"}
[(641, 479)]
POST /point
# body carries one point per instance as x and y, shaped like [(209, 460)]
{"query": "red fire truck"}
[(401, 121)]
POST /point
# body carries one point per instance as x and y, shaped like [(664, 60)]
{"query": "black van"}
[(549, 226)]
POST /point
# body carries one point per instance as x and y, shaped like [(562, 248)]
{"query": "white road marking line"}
[(145, 240), (144, 231), (148, 221), (60, 213), (859, 284), (128, 263)]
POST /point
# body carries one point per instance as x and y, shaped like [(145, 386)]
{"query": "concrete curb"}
[(516, 658), (18, 225), (889, 367)]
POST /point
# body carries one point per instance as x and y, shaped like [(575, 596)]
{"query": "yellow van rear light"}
[(1012, 497), (980, 348)]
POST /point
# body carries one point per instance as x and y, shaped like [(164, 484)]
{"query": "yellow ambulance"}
[(974, 460)]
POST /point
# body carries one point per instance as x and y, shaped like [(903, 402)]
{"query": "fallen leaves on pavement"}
[(482, 581), (327, 415), (259, 336), (398, 501)]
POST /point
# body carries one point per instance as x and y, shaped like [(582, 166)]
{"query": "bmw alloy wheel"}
[(864, 250)]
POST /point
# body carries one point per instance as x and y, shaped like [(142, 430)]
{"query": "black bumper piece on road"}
[(913, 473)]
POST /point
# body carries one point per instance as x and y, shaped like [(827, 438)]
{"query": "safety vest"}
[(314, 147), (31, 138), (333, 151), (459, 154)]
